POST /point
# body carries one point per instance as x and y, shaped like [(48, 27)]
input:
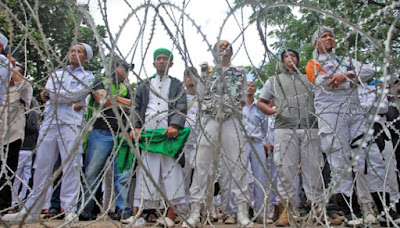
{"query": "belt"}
[(255, 140)]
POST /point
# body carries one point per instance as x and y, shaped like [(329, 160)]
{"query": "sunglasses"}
[(224, 44)]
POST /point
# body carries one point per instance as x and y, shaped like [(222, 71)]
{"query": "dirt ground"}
[(106, 222)]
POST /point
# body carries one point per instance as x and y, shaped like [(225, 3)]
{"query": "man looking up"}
[(296, 140), (58, 133), (222, 94), (341, 124)]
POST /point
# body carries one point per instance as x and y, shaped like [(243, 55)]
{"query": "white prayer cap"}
[(3, 41), (88, 49)]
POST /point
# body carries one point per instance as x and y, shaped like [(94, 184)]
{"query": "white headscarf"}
[(88, 49), (319, 32), (316, 36)]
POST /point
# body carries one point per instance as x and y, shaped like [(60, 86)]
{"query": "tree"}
[(44, 31), (373, 18)]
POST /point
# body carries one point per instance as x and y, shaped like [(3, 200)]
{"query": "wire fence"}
[(352, 143)]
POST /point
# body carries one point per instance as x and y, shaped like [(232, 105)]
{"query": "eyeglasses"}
[(224, 44)]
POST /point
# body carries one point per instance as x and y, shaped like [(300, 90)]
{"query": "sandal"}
[(151, 216)]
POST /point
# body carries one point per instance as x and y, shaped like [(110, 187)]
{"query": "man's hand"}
[(44, 98), (336, 80), (135, 135), (268, 148), (172, 132), (77, 106), (16, 77)]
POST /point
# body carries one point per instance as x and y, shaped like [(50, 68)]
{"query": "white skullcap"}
[(319, 32), (3, 41), (88, 49)]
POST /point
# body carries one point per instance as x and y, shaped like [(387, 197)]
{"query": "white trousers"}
[(224, 180), (22, 176), (294, 150), (381, 173), (233, 158), (263, 171), (167, 174), (337, 131), (62, 138), (187, 172)]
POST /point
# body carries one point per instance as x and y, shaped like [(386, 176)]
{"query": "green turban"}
[(163, 51)]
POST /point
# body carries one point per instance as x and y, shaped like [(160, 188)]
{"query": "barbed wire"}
[(178, 24)]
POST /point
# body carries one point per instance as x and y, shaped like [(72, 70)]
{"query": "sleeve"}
[(361, 70), (73, 89), (25, 92), (200, 90), (264, 128), (244, 86), (313, 69), (5, 75), (178, 116), (5, 70), (267, 92), (137, 119)]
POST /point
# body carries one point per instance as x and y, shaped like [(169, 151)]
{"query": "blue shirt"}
[(5, 76), (255, 122), (66, 88)]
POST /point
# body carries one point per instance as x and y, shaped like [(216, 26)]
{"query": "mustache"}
[(190, 85)]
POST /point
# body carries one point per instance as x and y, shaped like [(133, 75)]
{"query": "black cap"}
[(290, 50)]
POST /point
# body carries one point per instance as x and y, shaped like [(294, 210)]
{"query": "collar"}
[(254, 103), (326, 57), (227, 67), (77, 69), (163, 78)]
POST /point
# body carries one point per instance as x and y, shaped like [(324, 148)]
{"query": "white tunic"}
[(165, 171), (157, 108), (66, 88)]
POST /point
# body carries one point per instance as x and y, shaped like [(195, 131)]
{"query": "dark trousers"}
[(12, 153)]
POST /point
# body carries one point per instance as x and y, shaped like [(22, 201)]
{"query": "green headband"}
[(163, 51)]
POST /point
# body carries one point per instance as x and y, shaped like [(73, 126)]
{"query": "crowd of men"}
[(191, 152)]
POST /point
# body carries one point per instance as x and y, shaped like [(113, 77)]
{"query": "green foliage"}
[(374, 18), (44, 31)]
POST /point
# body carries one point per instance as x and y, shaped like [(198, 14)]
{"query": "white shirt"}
[(157, 108), (344, 97), (5, 76), (66, 87)]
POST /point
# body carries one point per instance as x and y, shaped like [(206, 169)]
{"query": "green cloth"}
[(124, 154), (163, 51), (154, 141)]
